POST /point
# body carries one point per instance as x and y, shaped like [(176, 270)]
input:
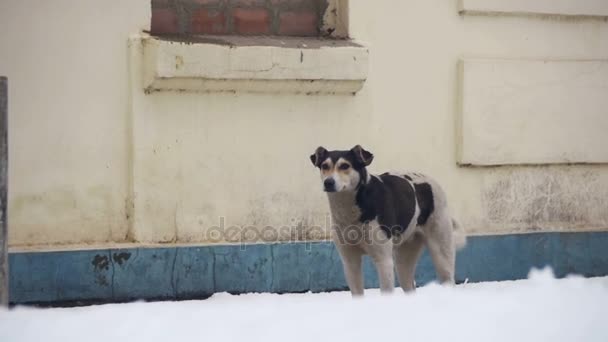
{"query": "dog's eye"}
[(325, 167), (344, 167)]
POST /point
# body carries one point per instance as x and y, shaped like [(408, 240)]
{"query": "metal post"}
[(3, 191)]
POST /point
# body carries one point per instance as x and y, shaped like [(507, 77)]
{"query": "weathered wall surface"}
[(69, 127), (517, 111), (83, 139)]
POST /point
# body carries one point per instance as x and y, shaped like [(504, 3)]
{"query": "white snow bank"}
[(538, 309)]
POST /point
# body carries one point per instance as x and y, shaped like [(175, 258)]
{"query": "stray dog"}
[(390, 217)]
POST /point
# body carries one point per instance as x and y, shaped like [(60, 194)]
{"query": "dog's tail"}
[(459, 235)]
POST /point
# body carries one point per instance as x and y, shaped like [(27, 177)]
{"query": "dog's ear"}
[(362, 156), (319, 156)]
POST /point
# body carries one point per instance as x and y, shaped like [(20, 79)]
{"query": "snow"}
[(538, 309)]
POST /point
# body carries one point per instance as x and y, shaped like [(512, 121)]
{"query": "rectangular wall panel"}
[(595, 8), (533, 111)]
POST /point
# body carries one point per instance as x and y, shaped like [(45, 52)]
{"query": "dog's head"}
[(342, 170)]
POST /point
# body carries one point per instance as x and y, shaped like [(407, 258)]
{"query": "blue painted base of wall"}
[(115, 275)]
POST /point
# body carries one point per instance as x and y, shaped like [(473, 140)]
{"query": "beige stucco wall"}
[(69, 133), (94, 159), (507, 103)]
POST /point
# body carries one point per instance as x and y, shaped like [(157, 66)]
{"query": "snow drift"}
[(539, 309)]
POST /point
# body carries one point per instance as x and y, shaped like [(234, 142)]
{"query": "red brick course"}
[(164, 20), (239, 17), (251, 21), (303, 23), (208, 21)]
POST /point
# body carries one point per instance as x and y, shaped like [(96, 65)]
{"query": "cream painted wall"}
[(506, 103), (69, 133), (78, 142)]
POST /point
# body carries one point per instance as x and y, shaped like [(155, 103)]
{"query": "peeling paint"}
[(335, 19), (545, 198), (179, 62), (100, 262), (121, 258)]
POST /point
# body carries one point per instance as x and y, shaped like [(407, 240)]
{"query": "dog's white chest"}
[(344, 210)]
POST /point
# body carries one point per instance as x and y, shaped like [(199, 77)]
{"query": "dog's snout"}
[(329, 184)]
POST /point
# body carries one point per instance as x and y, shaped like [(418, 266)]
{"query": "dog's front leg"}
[(351, 261), (380, 249), (386, 274), (382, 255)]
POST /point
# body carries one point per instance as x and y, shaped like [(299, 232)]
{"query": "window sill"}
[(254, 64)]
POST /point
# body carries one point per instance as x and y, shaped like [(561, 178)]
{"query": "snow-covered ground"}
[(539, 309)]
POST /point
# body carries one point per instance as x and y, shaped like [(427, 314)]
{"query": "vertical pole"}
[(3, 192)]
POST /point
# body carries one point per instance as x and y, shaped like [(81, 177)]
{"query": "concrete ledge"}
[(266, 65), (576, 8), (111, 275)]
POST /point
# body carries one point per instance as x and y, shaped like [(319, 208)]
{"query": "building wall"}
[(69, 132), (94, 160)]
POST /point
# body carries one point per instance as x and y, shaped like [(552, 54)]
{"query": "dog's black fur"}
[(409, 208), (390, 199)]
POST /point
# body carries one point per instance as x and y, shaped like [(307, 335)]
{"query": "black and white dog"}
[(390, 217)]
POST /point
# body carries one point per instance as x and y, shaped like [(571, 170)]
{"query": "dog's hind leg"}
[(441, 248), (353, 272), (406, 257)]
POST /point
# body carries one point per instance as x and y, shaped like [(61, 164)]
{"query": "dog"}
[(390, 217)]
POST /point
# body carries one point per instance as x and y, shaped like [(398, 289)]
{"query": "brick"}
[(249, 21), (164, 20), (208, 21), (302, 23)]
